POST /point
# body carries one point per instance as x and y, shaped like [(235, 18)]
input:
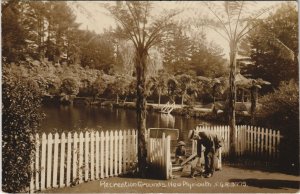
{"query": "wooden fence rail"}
[(249, 140), (62, 160)]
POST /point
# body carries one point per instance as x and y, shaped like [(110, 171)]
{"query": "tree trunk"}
[(159, 95), (243, 96), (182, 98), (140, 65), (39, 26), (232, 99), (68, 52), (117, 98), (253, 104), (42, 39), (214, 94)]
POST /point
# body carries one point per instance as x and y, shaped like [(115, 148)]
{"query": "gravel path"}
[(229, 180)]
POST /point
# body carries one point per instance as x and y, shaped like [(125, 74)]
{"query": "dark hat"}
[(181, 143)]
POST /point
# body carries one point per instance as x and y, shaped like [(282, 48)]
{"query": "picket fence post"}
[(168, 158), (75, 153), (62, 161), (120, 151), (80, 166), (274, 143), (92, 156), (132, 147), (102, 139), (266, 150), (49, 158), (106, 153), (86, 156), (69, 141), (124, 151), (136, 145), (228, 138), (55, 160), (278, 143), (111, 151), (97, 154), (115, 153), (37, 164)]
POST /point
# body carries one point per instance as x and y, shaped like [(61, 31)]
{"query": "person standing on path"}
[(212, 143)]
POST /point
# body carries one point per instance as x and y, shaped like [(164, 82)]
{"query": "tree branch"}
[(226, 38), (227, 12), (241, 34), (225, 29), (238, 21), (131, 36), (155, 36), (136, 21), (144, 23), (155, 31)]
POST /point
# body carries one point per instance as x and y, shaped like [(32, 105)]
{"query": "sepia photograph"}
[(150, 96)]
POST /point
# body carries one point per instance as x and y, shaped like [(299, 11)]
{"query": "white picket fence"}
[(159, 156), (62, 161), (250, 140)]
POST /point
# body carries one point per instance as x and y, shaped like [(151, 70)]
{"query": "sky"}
[(93, 16)]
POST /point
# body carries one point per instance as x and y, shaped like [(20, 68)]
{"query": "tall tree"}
[(13, 33), (177, 50), (125, 51), (35, 22), (265, 60), (97, 51), (59, 32), (120, 85), (135, 24), (232, 22), (184, 82), (159, 84), (253, 85), (207, 60)]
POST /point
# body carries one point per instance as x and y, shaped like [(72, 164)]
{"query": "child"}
[(180, 152)]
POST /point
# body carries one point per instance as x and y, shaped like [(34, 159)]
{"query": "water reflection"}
[(66, 118), (168, 120)]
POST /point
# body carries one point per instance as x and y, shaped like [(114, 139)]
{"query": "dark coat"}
[(210, 141)]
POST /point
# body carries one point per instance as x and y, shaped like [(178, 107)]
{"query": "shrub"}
[(98, 87), (280, 110), (69, 86), (20, 119)]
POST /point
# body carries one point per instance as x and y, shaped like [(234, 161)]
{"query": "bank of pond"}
[(103, 115), (209, 112)]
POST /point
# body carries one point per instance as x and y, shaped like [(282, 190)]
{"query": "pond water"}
[(68, 118)]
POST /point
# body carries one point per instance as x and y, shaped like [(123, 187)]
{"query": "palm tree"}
[(217, 85), (184, 82), (157, 84), (172, 85), (232, 22), (134, 23), (253, 85)]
